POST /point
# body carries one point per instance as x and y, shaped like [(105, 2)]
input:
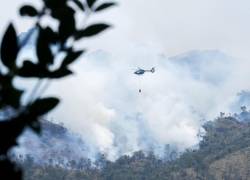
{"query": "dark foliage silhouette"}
[(16, 115)]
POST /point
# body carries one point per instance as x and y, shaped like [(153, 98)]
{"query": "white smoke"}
[(102, 103)]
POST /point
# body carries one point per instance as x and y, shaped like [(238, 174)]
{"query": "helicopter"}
[(140, 71)]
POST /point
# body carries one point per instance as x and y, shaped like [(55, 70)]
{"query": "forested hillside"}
[(224, 153)]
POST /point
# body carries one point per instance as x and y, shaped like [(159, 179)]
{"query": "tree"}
[(17, 115)]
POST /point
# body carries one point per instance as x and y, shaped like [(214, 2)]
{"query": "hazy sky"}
[(173, 26)]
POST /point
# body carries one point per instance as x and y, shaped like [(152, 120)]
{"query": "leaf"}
[(66, 19), (66, 28), (104, 6), (71, 57), (79, 4), (9, 95), (9, 47), (91, 30), (62, 13), (43, 106), (91, 3), (29, 70), (54, 4), (13, 97), (43, 50), (51, 36), (28, 10), (62, 72)]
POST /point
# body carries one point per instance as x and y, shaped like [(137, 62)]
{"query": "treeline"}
[(226, 140)]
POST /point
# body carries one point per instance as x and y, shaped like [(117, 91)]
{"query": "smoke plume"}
[(101, 102)]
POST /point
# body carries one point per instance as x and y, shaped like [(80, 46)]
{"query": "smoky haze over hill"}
[(223, 153), (101, 102)]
